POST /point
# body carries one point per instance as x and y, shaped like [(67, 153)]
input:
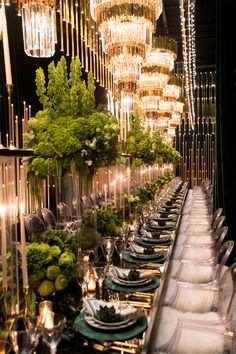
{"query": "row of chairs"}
[(197, 309)]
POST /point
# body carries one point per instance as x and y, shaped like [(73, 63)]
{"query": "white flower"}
[(89, 162), (84, 152)]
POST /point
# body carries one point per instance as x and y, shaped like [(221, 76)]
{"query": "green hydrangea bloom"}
[(52, 272), (46, 288), (61, 282)]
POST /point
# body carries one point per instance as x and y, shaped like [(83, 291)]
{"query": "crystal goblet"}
[(108, 245), (100, 275), (52, 331), (120, 247)]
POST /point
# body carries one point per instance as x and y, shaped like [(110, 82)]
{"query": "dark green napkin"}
[(166, 219), (151, 228), (128, 258), (126, 333), (156, 244), (129, 289), (177, 212)]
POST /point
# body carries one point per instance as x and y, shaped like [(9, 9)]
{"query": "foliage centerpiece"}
[(109, 221), (149, 148), (68, 134)]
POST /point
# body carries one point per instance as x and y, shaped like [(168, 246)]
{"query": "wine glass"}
[(108, 245), (120, 247), (100, 276), (33, 329), (52, 330), (81, 278), (21, 342)]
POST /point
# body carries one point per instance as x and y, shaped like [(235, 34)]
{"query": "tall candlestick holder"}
[(9, 89), (10, 199)]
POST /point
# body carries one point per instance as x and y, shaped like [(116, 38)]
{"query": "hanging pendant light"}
[(155, 73), (38, 26), (126, 29), (170, 108)]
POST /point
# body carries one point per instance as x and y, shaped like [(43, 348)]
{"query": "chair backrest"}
[(227, 291), (48, 218), (222, 256), (215, 217), (190, 334), (34, 225), (219, 222), (219, 236), (63, 211)]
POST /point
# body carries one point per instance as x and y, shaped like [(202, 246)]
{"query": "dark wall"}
[(226, 113)]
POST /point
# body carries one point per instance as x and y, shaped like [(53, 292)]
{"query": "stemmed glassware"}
[(33, 330), (120, 247), (108, 246), (81, 278), (23, 341), (100, 275), (52, 331)]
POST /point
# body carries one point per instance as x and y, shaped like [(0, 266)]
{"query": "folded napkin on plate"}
[(148, 234), (123, 273), (92, 305), (154, 223), (136, 248)]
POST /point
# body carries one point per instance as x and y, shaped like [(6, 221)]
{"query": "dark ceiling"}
[(205, 24)]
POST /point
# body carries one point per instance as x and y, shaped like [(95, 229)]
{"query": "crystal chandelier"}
[(155, 73), (38, 25), (126, 30), (170, 108)]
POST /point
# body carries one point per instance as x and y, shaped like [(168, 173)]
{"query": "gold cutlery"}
[(134, 303), (151, 271), (151, 265), (144, 294), (124, 349), (125, 344), (139, 296)]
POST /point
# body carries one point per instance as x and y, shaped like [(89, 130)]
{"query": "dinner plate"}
[(169, 218), (132, 282), (145, 256), (144, 243), (156, 240), (153, 228), (175, 211), (102, 323), (109, 326)]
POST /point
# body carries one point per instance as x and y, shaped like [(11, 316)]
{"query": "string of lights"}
[(187, 16)]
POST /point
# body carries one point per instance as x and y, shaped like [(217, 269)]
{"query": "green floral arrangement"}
[(109, 221), (68, 134), (150, 189), (132, 203), (148, 148), (51, 260)]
